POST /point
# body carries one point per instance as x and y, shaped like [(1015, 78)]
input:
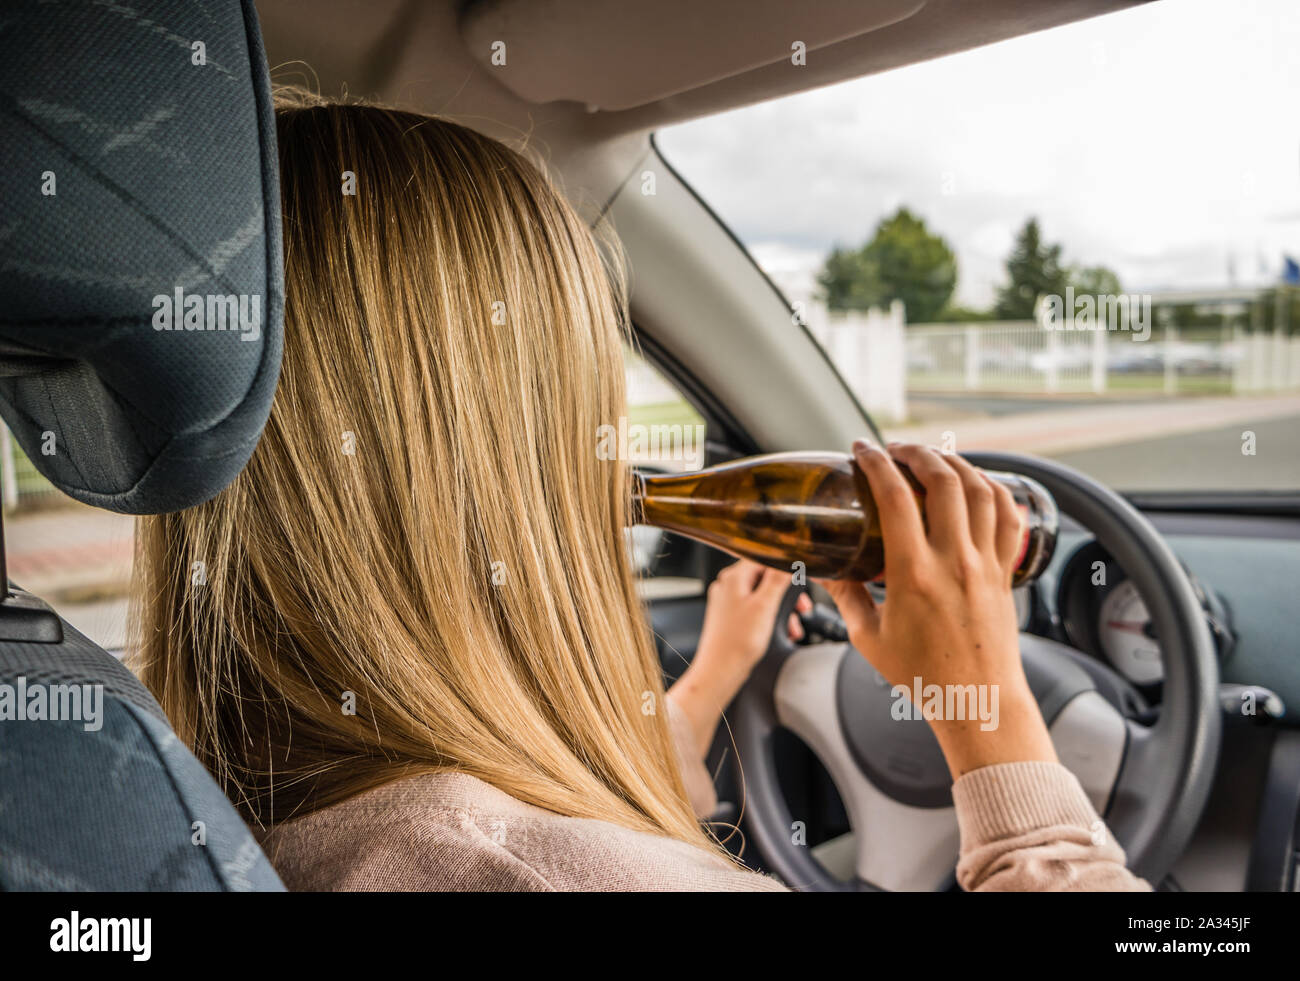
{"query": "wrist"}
[(702, 695), (1019, 735), (716, 674)]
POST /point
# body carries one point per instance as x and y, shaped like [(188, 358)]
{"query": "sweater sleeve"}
[(699, 785), (1030, 827)]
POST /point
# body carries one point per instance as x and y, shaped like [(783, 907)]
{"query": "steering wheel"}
[(1149, 782)]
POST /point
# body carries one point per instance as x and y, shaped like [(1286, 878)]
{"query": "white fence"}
[(1266, 361), (869, 351), (1024, 357)]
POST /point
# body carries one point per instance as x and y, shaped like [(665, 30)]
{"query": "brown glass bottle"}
[(814, 508)]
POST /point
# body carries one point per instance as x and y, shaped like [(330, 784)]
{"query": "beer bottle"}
[(814, 508)]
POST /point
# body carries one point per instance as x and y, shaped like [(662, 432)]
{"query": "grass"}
[(1152, 383), (1184, 384), (675, 413)]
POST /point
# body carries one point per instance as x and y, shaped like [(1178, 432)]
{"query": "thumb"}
[(855, 605)]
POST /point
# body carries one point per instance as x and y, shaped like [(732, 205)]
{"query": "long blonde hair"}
[(423, 567)]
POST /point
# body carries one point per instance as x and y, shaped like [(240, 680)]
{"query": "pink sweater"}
[(1024, 826)]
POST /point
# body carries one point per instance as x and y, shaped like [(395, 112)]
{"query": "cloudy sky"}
[(1162, 141)]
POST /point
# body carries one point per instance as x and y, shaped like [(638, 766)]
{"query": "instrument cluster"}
[(1103, 613)]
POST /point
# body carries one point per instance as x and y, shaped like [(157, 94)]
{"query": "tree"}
[(955, 313), (1096, 281), (1034, 269), (903, 261), (848, 281)]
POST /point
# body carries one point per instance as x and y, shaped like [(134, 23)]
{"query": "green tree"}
[(1094, 281), (903, 261), (848, 281), (955, 313), (1033, 270)]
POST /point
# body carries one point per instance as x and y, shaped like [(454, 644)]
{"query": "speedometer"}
[(1127, 637)]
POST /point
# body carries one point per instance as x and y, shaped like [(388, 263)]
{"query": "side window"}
[(663, 433), (75, 557)]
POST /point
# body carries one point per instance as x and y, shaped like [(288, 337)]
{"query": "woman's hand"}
[(948, 618), (738, 624)]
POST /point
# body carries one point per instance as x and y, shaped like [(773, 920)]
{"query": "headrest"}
[(141, 273)]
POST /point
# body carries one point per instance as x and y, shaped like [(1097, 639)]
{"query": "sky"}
[(1161, 141)]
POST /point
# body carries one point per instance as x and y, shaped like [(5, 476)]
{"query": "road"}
[(1130, 444), (1211, 459)]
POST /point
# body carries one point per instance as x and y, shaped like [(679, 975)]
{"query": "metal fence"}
[(1022, 357)]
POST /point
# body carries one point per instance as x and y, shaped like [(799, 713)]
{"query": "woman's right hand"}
[(949, 618)]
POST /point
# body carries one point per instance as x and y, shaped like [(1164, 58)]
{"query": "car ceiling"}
[(585, 81)]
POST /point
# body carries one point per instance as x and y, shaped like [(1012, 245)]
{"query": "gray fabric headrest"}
[(140, 186)]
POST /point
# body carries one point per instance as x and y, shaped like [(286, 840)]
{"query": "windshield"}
[(1081, 243)]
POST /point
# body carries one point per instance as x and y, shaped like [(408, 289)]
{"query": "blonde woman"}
[(419, 659)]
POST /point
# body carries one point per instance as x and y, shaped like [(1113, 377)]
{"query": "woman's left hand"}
[(738, 624)]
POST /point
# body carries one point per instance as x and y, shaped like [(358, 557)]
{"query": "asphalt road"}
[(1211, 459), (1207, 459)]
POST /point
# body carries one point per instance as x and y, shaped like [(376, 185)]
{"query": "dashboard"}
[(1099, 610), (1243, 569)]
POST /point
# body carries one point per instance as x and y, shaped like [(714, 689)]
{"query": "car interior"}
[(1202, 796)]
